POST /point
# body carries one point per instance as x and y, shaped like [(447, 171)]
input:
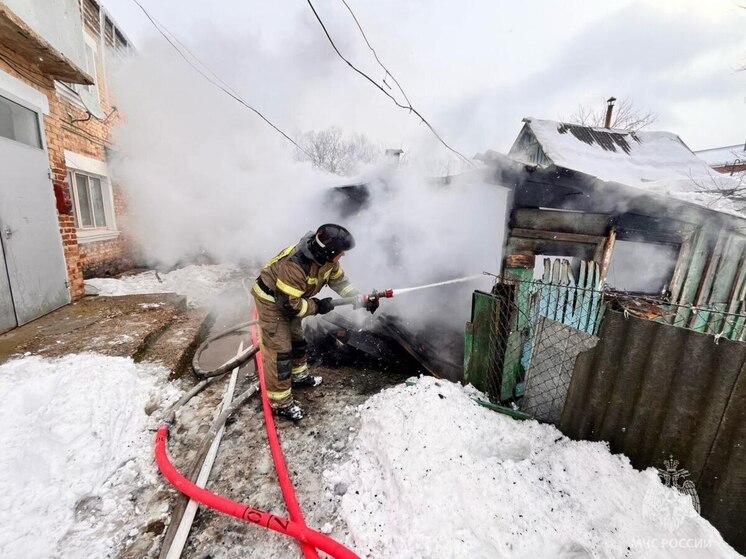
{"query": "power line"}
[(196, 59), (375, 54), (220, 84), (407, 107), (27, 74)]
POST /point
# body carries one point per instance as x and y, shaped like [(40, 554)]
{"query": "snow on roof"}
[(655, 162), (723, 156)]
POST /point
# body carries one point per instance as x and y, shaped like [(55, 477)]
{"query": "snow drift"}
[(74, 449), (433, 474), (201, 285)]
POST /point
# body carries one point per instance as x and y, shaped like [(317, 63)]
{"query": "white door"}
[(34, 262)]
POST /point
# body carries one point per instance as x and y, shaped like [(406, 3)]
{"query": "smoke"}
[(416, 232), (203, 175)]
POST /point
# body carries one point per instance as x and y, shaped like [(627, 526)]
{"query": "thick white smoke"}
[(205, 175)]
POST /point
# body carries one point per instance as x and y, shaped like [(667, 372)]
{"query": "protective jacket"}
[(292, 278)]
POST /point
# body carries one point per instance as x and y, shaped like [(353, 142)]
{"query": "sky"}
[(473, 69)]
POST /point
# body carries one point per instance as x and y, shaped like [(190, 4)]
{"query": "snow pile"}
[(74, 449), (433, 474), (200, 284)]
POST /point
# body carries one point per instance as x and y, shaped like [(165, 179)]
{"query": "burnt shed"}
[(640, 205)]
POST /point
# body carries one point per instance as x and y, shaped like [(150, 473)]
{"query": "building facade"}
[(728, 160), (62, 216)]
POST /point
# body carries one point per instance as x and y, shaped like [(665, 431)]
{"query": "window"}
[(73, 91), (90, 61), (90, 193), (19, 123), (638, 267)]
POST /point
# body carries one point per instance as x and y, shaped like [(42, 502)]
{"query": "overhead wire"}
[(375, 54), (220, 84), (24, 73), (195, 57), (407, 107)]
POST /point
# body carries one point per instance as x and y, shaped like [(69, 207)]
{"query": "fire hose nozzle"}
[(364, 298), (384, 294)]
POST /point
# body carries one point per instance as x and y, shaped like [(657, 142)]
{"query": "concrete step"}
[(175, 345), (118, 326)]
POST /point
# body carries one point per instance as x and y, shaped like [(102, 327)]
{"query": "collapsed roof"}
[(657, 163)]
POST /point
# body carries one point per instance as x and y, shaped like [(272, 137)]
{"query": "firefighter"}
[(284, 294)]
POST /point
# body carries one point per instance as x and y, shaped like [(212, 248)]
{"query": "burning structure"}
[(428, 342)]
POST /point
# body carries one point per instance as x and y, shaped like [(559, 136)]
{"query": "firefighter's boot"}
[(306, 381), (291, 411)]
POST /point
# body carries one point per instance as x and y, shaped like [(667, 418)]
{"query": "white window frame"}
[(23, 94), (70, 90), (19, 92), (77, 163)]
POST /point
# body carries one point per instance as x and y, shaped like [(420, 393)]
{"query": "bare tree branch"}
[(734, 191), (626, 116), (332, 151)]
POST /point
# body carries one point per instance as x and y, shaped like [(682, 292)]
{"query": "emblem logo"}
[(671, 508)]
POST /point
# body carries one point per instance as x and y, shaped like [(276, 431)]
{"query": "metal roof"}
[(726, 155)]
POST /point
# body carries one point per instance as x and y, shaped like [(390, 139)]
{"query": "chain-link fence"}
[(535, 330), (535, 334)]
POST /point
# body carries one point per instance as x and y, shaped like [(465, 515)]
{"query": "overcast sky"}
[(473, 68)]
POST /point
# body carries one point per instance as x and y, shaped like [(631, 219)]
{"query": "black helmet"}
[(329, 241)]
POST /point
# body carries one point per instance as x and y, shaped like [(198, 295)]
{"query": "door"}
[(34, 262)]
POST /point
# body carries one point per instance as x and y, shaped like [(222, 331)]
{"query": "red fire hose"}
[(288, 493), (300, 532), (309, 539)]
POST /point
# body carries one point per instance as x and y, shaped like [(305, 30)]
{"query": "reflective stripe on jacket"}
[(294, 277)]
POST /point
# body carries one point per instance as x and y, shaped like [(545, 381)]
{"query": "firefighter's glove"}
[(372, 304), (323, 306)]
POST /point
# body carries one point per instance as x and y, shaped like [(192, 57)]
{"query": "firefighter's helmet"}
[(329, 241)]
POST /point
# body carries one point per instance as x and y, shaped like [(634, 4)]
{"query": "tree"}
[(334, 152), (733, 189), (626, 116)]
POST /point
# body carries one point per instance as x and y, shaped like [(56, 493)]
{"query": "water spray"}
[(438, 284), (362, 300)]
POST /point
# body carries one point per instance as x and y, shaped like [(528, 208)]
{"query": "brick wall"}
[(89, 137)]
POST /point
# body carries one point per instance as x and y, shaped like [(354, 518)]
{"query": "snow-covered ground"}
[(432, 474), (75, 448), (420, 471), (200, 284)]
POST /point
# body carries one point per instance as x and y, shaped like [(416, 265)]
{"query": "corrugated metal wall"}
[(653, 390)]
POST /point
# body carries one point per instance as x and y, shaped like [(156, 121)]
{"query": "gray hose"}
[(230, 365), (170, 414)]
